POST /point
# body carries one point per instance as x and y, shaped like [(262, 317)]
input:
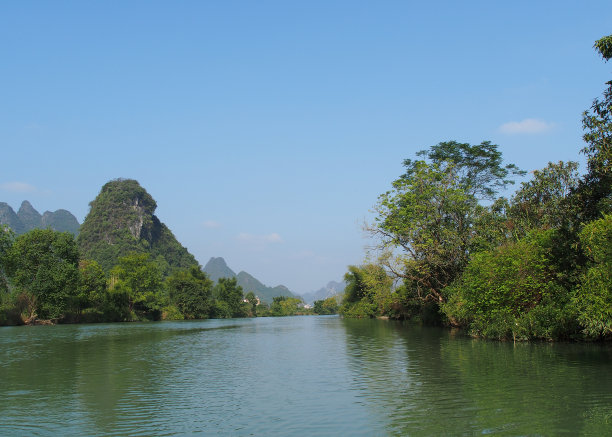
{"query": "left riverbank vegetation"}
[(450, 250), (43, 280)]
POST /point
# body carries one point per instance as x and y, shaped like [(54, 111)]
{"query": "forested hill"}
[(217, 268), (121, 221), (27, 218)]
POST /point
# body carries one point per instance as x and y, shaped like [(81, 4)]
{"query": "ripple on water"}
[(300, 375)]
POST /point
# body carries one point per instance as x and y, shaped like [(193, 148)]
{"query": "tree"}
[(594, 295), (284, 306), (426, 224), (367, 292), (595, 192), (542, 202), (479, 167), (229, 298), (191, 291), (92, 289), (326, 306), (44, 267), (139, 279), (253, 301), (7, 236), (428, 217)]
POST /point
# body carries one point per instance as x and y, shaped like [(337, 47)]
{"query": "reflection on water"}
[(298, 375), (425, 381)]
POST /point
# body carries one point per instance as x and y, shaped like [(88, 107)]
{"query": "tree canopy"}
[(427, 223), (43, 265)]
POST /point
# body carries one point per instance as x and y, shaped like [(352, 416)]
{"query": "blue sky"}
[(265, 130)]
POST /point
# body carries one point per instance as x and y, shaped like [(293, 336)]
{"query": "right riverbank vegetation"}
[(449, 250)]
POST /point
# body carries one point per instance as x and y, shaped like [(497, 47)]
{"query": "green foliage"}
[(542, 202), (92, 293), (138, 279), (43, 265), (604, 47), (191, 292), (428, 217), (7, 236), (252, 303), (359, 310), (594, 295), (367, 292), (595, 192), (229, 296), (548, 201), (326, 306), (479, 168), (428, 224), (171, 312), (284, 306), (510, 292), (221, 310)]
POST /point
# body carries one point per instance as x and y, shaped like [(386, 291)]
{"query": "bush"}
[(359, 310), (511, 292), (171, 312), (593, 298)]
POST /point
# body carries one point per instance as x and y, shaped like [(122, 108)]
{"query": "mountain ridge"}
[(217, 268), (28, 218)]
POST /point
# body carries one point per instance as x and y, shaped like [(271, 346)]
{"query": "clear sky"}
[(265, 130)]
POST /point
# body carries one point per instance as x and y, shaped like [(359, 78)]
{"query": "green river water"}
[(295, 376)]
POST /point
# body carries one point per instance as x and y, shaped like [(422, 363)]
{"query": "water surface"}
[(295, 375)]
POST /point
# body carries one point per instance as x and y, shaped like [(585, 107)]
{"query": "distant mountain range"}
[(217, 268), (331, 289), (27, 218)]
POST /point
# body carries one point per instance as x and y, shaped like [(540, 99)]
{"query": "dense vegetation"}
[(452, 251), (44, 280)]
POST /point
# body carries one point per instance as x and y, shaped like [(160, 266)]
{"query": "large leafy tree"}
[(426, 225), (43, 265), (596, 191), (229, 296), (140, 281), (190, 290)]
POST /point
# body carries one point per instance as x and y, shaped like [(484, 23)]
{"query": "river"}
[(313, 375)]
